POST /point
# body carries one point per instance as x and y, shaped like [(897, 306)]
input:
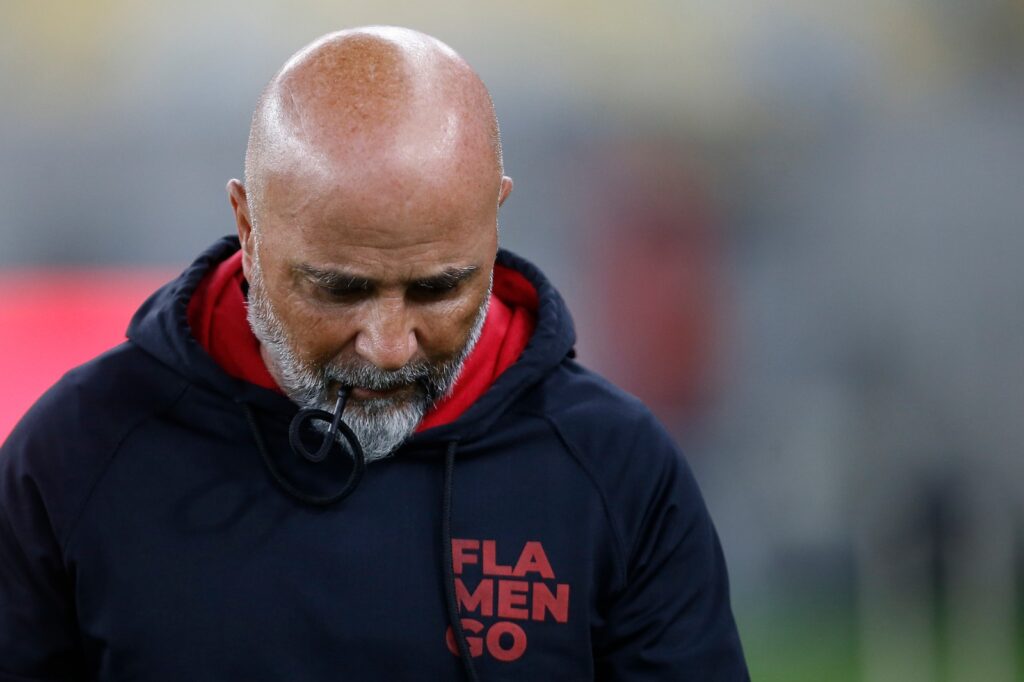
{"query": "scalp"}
[(372, 98)]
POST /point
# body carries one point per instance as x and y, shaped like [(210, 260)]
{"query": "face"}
[(378, 283)]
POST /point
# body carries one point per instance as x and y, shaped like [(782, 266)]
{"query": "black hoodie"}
[(142, 537)]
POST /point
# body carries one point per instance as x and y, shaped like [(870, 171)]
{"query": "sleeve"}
[(671, 619), (38, 635)]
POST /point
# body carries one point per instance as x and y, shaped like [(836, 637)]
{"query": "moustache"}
[(376, 379)]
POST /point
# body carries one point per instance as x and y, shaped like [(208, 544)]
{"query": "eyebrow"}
[(342, 280)]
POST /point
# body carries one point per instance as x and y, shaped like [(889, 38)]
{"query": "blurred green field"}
[(800, 644), (808, 643)]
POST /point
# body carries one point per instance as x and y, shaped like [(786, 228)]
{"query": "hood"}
[(160, 327)]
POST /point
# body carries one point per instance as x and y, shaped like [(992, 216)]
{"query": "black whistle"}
[(307, 416)]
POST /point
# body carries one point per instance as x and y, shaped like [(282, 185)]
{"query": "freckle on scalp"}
[(352, 90)]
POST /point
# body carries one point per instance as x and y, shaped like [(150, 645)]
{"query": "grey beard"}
[(380, 424)]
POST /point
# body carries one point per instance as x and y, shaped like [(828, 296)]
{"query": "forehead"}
[(378, 215)]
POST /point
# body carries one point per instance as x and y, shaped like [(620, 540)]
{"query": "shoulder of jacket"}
[(614, 437), (628, 456), (63, 444), (593, 413)]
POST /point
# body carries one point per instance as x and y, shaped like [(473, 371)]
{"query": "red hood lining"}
[(217, 317)]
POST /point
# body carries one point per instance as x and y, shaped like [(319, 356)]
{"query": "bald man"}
[(352, 442)]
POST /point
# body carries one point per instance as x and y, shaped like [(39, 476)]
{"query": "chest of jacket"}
[(189, 558)]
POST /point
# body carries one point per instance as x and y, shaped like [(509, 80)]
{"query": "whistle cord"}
[(359, 467), (449, 565), (358, 461)]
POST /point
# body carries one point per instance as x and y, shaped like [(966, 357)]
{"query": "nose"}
[(386, 338)]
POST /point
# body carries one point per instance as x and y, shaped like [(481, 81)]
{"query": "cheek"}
[(446, 329), (315, 335)]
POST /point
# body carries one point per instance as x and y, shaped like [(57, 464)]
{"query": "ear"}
[(506, 189), (240, 207)]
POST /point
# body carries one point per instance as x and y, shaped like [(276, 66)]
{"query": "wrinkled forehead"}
[(378, 225), (395, 195)]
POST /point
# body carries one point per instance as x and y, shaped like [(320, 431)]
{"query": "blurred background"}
[(793, 227)]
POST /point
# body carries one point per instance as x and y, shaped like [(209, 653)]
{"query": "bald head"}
[(369, 105)]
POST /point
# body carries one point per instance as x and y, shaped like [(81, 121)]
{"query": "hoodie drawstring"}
[(449, 564), (353, 481)]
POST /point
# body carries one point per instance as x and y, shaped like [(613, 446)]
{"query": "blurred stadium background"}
[(794, 227)]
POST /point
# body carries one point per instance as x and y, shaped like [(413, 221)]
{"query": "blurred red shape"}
[(54, 319)]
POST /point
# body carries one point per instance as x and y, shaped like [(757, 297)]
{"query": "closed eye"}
[(339, 287), (433, 290), (441, 285), (343, 293), (350, 290)]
